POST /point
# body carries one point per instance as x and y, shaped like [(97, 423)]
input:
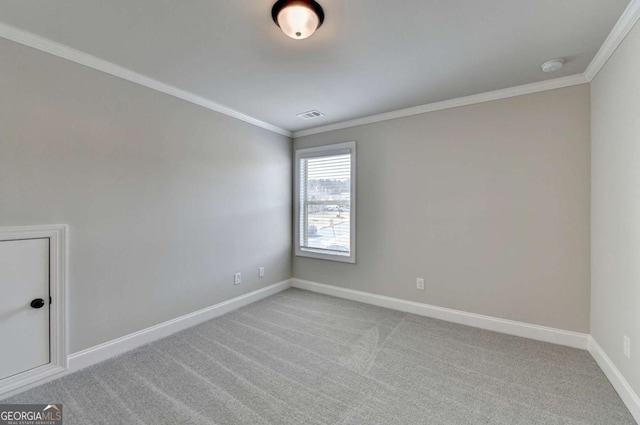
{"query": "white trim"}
[(110, 349), (107, 350), (326, 150), (617, 35), (58, 266), (66, 52), (511, 327), (615, 38), (627, 20), (628, 396), (553, 84)]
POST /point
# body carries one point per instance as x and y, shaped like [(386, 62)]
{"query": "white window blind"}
[(325, 211)]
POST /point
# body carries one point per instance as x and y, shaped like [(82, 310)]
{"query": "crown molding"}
[(555, 83), (616, 36), (66, 52), (626, 22)]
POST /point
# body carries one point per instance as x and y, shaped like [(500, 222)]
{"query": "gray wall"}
[(165, 200), (615, 207), (489, 203)]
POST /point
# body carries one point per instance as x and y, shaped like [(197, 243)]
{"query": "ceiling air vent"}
[(311, 115)]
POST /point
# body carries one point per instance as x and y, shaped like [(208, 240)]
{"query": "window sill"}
[(341, 258)]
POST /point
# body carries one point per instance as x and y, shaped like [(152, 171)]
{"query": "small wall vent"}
[(309, 115)]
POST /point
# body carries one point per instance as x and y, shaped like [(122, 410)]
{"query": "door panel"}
[(24, 330)]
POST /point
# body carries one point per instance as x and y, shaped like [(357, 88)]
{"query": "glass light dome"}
[(298, 19)]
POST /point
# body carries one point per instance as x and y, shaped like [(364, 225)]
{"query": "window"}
[(325, 182)]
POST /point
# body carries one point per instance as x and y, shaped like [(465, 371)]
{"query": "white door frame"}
[(58, 266)]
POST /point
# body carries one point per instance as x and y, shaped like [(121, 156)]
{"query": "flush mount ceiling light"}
[(552, 65), (297, 18)]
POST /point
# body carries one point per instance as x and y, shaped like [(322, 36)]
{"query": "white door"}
[(24, 305)]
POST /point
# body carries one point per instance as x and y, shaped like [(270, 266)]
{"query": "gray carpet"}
[(304, 358)]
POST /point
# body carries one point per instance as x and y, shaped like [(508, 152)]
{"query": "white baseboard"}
[(109, 349), (511, 327), (628, 396), (118, 346), (29, 379), (126, 343)]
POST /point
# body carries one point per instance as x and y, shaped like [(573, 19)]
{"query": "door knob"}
[(37, 303)]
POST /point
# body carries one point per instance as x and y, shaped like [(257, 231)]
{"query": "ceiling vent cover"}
[(309, 115)]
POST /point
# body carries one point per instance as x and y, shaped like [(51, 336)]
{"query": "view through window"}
[(325, 201)]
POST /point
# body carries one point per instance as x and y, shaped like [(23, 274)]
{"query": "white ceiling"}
[(369, 57)]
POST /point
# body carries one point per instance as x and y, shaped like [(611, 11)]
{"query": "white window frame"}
[(326, 150)]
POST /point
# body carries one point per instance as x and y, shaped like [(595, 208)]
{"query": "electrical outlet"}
[(260, 271), (237, 278), (420, 283), (626, 347)]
